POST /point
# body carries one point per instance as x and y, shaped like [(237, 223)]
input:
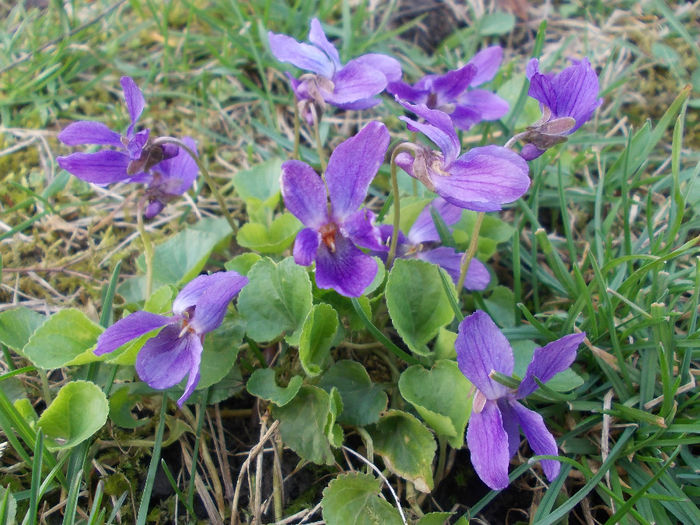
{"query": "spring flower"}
[(176, 351), (422, 242), (169, 179), (453, 93), (493, 436), (567, 99), (350, 86), (482, 179), (333, 233), (133, 155)]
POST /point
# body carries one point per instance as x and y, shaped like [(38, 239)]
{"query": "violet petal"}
[(406, 92), (347, 270), (488, 445), (481, 349), (449, 86), (487, 61), (351, 168), (511, 425), (303, 56), (424, 230), (128, 329), (193, 377), (540, 438), (211, 306), (180, 168), (438, 128), (484, 178), (89, 132), (101, 167), (355, 81), (360, 228), (577, 93), (305, 246), (304, 193), (133, 98), (166, 358), (318, 38), (530, 152), (489, 105), (137, 143), (192, 291), (447, 258), (389, 66), (548, 361)]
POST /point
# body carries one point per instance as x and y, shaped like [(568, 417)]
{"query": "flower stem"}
[(147, 248), (379, 336), (297, 129), (205, 173), (471, 251), (319, 146), (409, 148)]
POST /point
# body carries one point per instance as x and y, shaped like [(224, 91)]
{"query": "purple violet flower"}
[(333, 233), (176, 351), (350, 86), (567, 99), (452, 93), (422, 242), (133, 155), (482, 179), (169, 179), (493, 436)]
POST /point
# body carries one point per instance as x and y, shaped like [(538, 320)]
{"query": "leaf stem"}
[(379, 336), (205, 173), (471, 251)]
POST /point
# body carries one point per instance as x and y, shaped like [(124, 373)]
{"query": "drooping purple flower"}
[(350, 86), (133, 155), (567, 99), (169, 179), (423, 239), (452, 92), (333, 233), (176, 351), (493, 434), (482, 179)]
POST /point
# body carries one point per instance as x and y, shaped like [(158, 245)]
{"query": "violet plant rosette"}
[(350, 86), (568, 100), (482, 179), (334, 233), (456, 91), (133, 154), (422, 242), (493, 434), (176, 351)]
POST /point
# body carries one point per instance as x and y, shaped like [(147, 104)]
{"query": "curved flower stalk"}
[(493, 436), (482, 179), (567, 99), (422, 242), (333, 233), (454, 93), (133, 154), (350, 86), (176, 351)]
